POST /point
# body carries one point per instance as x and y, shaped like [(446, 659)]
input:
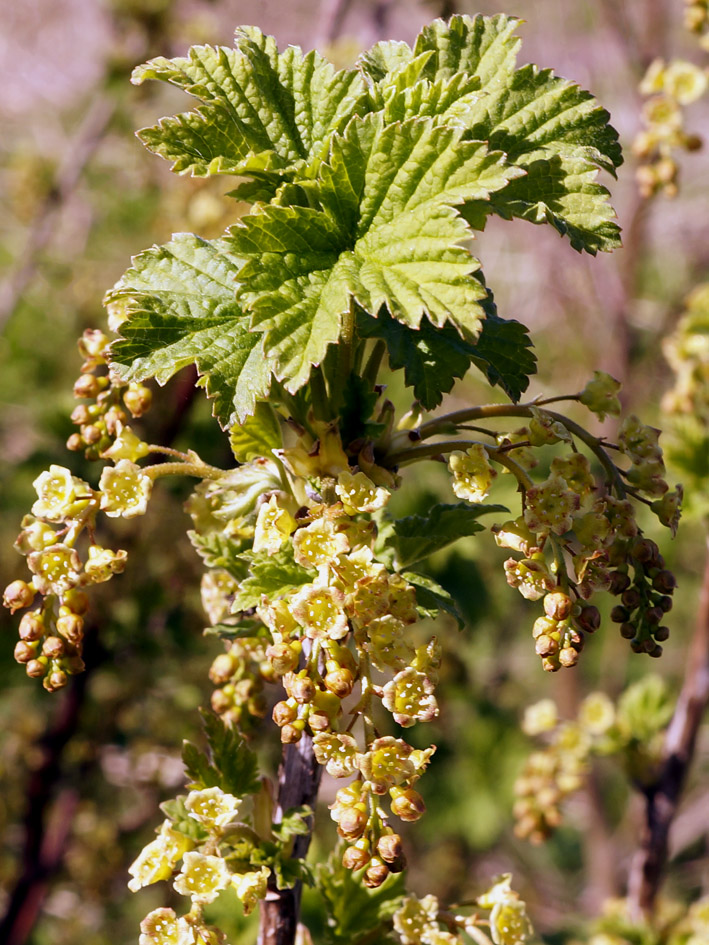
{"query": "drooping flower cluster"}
[(204, 846), (336, 620), (631, 731), (575, 535), (419, 921), (670, 87)]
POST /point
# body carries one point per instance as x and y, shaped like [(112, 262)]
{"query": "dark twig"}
[(298, 783), (78, 154), (662, 798)]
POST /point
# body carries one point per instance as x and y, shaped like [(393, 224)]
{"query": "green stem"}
[(371, 369), (345, 352), (199, 470), (432, 450), (318, 395), (450, 422)]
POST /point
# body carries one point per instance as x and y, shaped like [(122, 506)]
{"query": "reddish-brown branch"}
[(298, 783), (663, 797)]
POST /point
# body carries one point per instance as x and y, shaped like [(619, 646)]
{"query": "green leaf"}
[(386, 233), (355, 912), (176, 811), (418, 536), (262, 113), (271, 575), (295, 823), (546, 125), (181, 308), (503, 353), (228, 764), (244, 628), (217, 550), (359, 401), (431, 598), (258, 435)]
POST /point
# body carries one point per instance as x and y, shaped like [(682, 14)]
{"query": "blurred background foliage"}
[(83, 771)]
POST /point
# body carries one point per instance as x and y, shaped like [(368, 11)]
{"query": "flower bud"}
[(56, 679), (340, 682), (220, 702), (389, 847), (619, 614), (589, 619), (71, 627), (627, 630), (290, 734), (568, 656), (222, 669), (557, 605), (664, 581), (352, 823), (319, 721), (284, 713), (24, 651), (661, 634), (89, 386), (283, 658), (17, 595), (32, 627), (546, 645), (407, 804), (37, 668), (138, 399), (665, 604), (376, 873), (302, 688), (619, 582), (53, 648), (357, 856), (631, 598)]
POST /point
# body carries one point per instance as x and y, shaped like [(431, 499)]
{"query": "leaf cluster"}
[(366, 188)]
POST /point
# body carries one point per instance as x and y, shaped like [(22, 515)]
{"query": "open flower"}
[(250, 887), (61, 496), (212, 807), (125, 490), (203, 877)]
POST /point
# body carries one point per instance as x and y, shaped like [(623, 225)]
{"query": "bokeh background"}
[(83, 771)]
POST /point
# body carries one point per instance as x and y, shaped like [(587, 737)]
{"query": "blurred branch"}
[(78, 154), (662, 798), (332, 16)]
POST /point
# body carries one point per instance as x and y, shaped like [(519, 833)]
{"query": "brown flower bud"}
[(352, 823), (664, 581), (31, 627), (53, 648), (546, 646), (620, 614), (375, 874), (88, 385), (71, 627), (356, 857), (290, 734), (557, 605), (568, 656), (17, 595), (627, 631), (319, 721), (24, 652), (283, 658), (138, 399), (55, 680), (340, 682), (631, 598), (302, 689), (619, 582), (37, 668), (389, 847), (408, 805), (661, 634), (220, 701), (283, 714), (589, 619)]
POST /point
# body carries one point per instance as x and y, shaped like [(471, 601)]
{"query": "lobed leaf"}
[(431, 598), (180, 301), (418, 536), (271, 575), (263, 113), (258, 435), (228, 763)]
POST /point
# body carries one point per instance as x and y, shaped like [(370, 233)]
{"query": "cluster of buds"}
[(575, 536), (389, 767), (632, 731), (106, 406), (687, 351), (670, 87), (345, 616), (204, 856), (696, 20), (423, 922), (52, 632)]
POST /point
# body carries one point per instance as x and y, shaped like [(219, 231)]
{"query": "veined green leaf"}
[(418, 536), (271, 575), (263, 112), (387, 233), (432, 358), (258, 435), (180, 300), (431, 598), (546, 125), (228, 762)]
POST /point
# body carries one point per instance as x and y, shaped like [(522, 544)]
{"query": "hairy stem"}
[(662, 798)]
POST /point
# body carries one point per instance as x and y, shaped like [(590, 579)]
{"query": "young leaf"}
[(418, 536), (503, 353), (547, 126), (387, 234), (180, 302), (258, 435), (294, 823), (271, 575), (431, 598), (263, 113), (217, 550), (228, 764), (176, 811), (355, 912)]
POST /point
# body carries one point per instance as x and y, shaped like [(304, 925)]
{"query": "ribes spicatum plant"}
[(368, 192)]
